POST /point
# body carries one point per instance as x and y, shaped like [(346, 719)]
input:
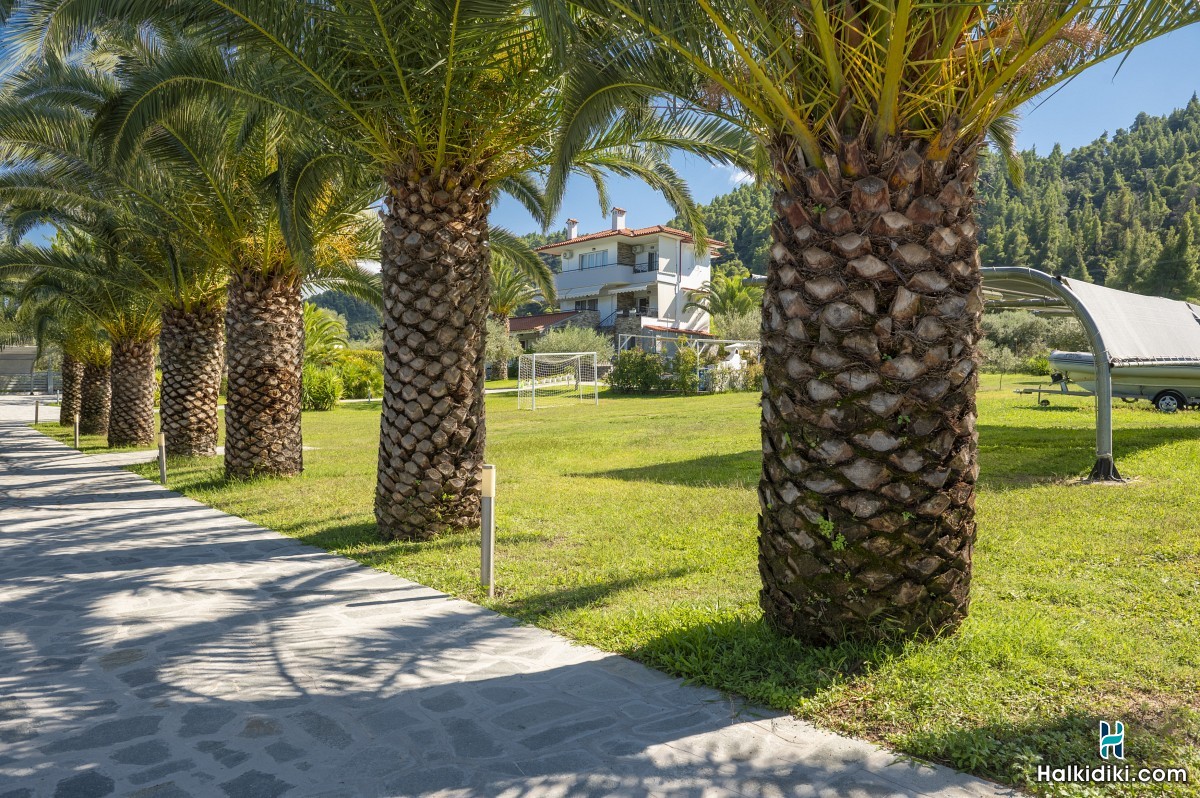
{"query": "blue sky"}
[(1156, 78)]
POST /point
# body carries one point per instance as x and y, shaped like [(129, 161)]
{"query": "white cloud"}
[(736, 176)]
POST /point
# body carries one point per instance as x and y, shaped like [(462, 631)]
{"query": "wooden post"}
[(76, 430), (487, 501), (162, 459), (37, 408)]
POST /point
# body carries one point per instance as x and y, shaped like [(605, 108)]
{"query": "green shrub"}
[(738, 326), (635, 371), (684, 375), (575, 339), (752, 375), (500, 347), (320, 388), (361, 376), (1038, 364)]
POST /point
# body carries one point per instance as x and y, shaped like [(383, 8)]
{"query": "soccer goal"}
[(558, 378)]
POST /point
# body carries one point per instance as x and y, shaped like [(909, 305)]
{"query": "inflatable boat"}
[(1168, 386)]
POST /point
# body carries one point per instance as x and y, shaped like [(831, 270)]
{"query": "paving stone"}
[(539, 714), (167, 790), (255, 784), (470, 740), (324, 729), (108, 733), (444, 703), (125, 656), (158, 771), (222, 753), (139, 676), (148, 753), (90, 784), (261, 727), (199, 721), (196, 654), (422, 781), (282, 752)]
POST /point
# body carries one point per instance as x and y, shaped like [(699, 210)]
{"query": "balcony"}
[(610, 321)]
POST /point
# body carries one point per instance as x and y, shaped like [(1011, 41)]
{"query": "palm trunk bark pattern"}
[(870, 325), (264, 332), (95, 399), (435, 288), (132, 419), (192, 348), (72, 377)]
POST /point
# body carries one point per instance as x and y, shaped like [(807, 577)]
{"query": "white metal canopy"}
[(1123, 330)]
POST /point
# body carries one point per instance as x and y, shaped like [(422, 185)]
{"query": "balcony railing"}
[(611, 319)]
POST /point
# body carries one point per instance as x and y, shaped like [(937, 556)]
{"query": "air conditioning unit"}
[(639, 248), (568, 254)]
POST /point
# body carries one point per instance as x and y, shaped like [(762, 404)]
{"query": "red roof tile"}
[(539, 322), (632, 233)]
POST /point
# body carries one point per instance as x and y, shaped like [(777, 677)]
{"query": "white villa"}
[(626, 281)]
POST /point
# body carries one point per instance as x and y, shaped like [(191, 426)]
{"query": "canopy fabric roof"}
[(1136, 329), (625, 288), (583, 290), (1141, 329)]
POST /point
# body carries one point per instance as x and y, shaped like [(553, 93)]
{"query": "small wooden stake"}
[(76, 430), (162, 459)]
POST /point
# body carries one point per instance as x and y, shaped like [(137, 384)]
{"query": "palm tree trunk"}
[(192, 348), (870, 324), (435, 289), (264, 332), (72, 377), (95, 399), (132, 420)]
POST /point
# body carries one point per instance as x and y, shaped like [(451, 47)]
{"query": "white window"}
[(587, 304), (591, 260)]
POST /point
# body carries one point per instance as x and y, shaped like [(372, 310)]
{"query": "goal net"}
[(550, 379)]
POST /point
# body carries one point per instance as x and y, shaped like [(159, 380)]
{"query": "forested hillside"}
[(1120, 211)]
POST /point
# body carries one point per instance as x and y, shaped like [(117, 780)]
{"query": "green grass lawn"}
[(492, 384), (631, 527)]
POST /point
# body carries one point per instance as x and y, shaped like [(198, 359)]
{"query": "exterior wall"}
[(627, 325), (679, 272), (584, 318)]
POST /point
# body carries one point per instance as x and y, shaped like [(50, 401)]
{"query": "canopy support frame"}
[(1105, 468)]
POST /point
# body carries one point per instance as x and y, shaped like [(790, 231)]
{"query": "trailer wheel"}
[(1170, 401), (1044, 402)]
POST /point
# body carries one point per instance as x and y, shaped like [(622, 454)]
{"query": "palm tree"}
[(324, 335), (453, 104), (218, 194), (726, 295), (46, 129), (86, 278), (871, 116), (510, 289)]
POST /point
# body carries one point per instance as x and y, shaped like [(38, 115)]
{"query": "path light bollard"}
[(487, 508), (162, 459), (76, 430), (37, 408)]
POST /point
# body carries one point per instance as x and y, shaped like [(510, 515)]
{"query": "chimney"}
[(572, 228), (618, 218)]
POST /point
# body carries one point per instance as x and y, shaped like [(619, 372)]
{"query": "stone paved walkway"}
[(151, 646)]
